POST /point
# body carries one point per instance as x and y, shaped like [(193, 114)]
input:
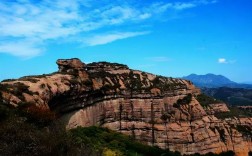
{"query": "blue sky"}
[(171, 38)]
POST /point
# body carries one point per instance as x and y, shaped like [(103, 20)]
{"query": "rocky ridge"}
[(156, 110)]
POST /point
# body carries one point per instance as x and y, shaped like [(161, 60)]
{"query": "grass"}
[(116, 142)]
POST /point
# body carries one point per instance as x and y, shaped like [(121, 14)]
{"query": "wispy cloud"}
[(225, 61), (107, 38), (25, 25), (181, 6), (162, 6), (26, 48)]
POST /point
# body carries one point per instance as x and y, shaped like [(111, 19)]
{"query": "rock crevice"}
[(156, 110)]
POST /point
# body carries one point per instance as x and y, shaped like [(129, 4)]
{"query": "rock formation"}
[(154, 109)]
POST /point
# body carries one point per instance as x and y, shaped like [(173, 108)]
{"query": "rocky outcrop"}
[(156, 110), (219, 107), (70, 65)]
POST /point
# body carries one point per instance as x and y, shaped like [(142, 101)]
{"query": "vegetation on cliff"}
[(232, 96), (185, 101), (234, 112), (205, 100)]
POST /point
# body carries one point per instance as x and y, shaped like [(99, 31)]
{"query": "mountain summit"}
[(210, 80), (214, 81)]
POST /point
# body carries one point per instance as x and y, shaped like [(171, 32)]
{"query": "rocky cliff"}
[(156, 110)]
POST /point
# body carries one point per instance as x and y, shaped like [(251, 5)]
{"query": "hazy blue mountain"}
[(214, 81), (248, 82)]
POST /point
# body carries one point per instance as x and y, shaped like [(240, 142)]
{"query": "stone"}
[(66, 65), (133, 102)]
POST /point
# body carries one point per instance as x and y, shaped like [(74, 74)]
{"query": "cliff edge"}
[(156, 110)]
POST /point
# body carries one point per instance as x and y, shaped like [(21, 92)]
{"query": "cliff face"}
[(156, 110)]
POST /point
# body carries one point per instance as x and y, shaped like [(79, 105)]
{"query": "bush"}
[(30, 79), (228, 153), (3, 87), (4, 112), (17, 89), (185, 101), (21, 138), (40, 117), (244, 129), (88, 83), (101, 138), (133, 82), (234, 112), (205, 100)]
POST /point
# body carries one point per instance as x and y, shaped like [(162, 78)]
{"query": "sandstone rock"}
[(219, 107), (66, 65), (134, 103)]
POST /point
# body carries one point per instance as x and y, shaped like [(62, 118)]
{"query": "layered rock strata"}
[(156, 110)]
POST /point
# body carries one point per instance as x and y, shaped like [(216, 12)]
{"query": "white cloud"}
[(207, 1), (57, 20), (107, 38), (21, 48), (118, 14), (160, 7), (225, 61), (182, 6), (145, 16), (222, 60)]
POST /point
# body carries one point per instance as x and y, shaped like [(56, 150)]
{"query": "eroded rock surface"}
[(219, 107), (157, 110)]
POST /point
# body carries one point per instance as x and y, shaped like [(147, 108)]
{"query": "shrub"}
[(245, 130), (133, 82), (102, 138), (164, 117), (21, 138), (8, 80), (17, 89), (40, 117), (4, 87), (186, 100), (234, 112), (4, 112), (109, 152), (205, 100), (88, 83), (29, 78)]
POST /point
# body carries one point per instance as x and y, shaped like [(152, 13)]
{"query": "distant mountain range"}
[(247, 82), (222, 88), (214, 81)]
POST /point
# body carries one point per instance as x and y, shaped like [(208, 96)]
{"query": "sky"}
[(172, 38)]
